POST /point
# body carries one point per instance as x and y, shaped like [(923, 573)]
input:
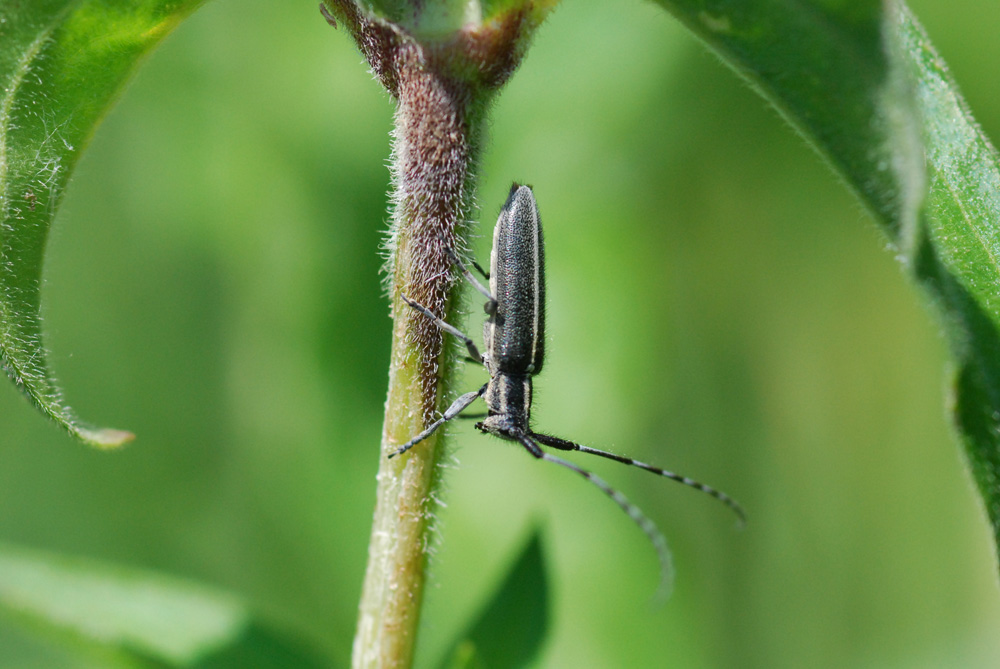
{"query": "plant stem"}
[(436, 139), (443, 84)]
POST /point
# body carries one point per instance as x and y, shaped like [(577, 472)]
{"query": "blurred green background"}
[(718, 304)]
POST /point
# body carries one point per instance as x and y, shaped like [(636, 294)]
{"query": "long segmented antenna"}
[(634, 512), (566, 445)]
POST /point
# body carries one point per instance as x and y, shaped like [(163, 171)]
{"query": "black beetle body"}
[(514, 333), (514, 336)]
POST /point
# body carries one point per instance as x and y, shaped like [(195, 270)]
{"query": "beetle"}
[(514, 341)]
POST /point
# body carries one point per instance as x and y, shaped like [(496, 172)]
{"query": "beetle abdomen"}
[(515, 334)]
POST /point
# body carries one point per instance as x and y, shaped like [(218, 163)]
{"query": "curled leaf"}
[(863, 83), (62, 64)]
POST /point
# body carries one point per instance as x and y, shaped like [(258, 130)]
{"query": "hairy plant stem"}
[(443, 84), (438, 125)]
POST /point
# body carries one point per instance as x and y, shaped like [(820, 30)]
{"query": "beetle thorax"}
[(508, 400)]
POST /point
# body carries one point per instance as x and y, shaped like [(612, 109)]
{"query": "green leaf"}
[(862, 82), (62, 63), (510, 630), (132, 618)]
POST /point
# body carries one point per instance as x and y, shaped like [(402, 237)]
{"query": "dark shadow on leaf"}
[(512, 626)]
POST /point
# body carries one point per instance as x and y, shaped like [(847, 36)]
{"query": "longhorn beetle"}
[(514, 337)]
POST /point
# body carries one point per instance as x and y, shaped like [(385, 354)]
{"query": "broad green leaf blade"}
[(862, 82), (62, 63), (510, 630), (131, 618)]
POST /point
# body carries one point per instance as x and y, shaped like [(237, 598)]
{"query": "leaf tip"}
[(107, 438)]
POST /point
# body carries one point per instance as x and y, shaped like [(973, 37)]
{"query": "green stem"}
[(436, 138), (443, 84)]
